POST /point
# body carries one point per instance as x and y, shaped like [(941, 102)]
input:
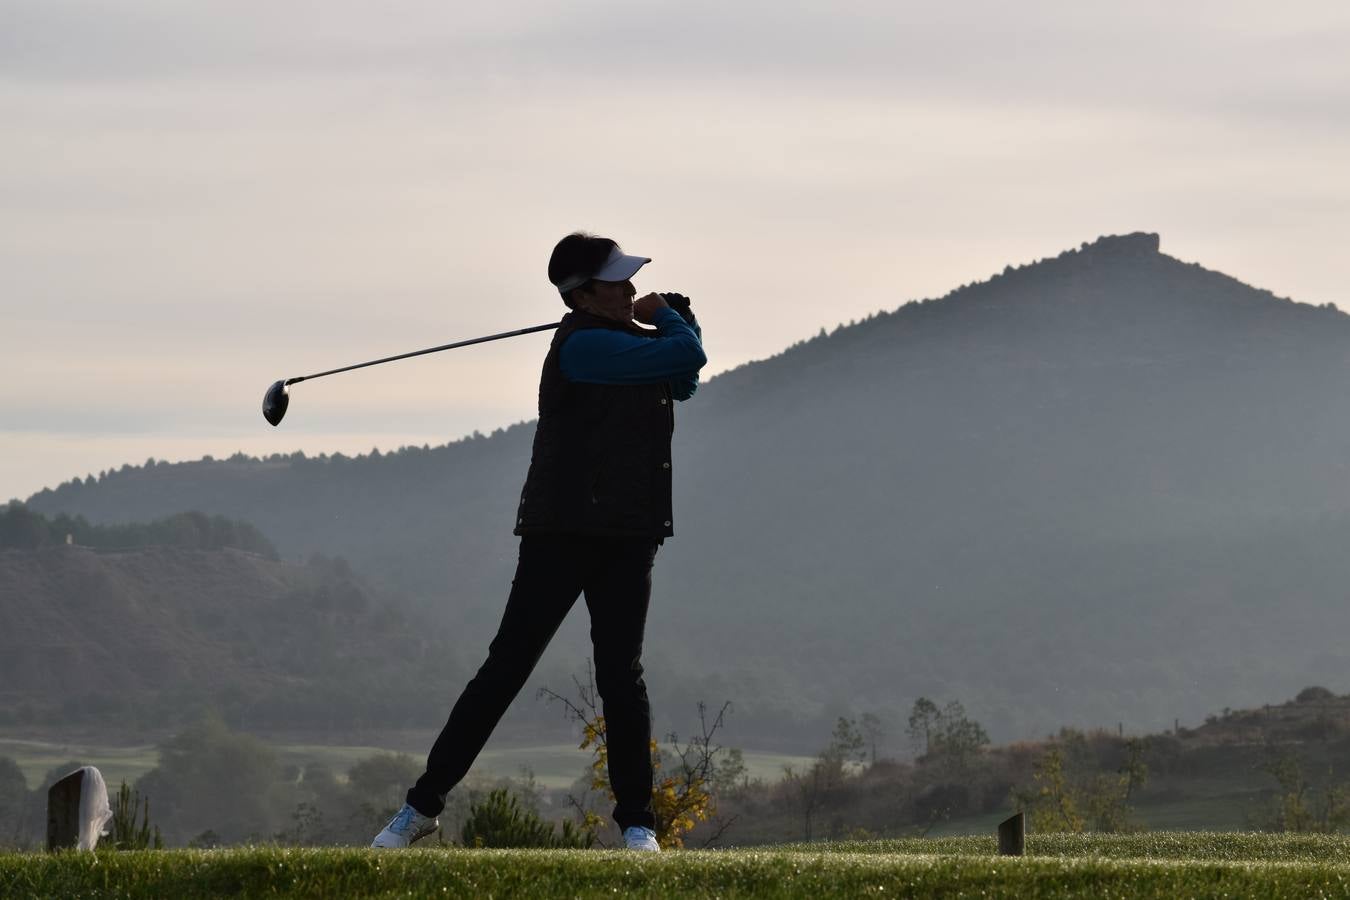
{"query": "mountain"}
[(1107, 486)]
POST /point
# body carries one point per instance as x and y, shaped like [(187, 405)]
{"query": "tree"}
[(681, 798), (729, 775), (807, 792), (209, 777), (1053, 804), (957, 736), (874, 731), (846, 743), (947, 735), (21, 528), (1068, 798), (810, 789), (1299, 806), (1133, 769), (1106, 798), (923, 721)]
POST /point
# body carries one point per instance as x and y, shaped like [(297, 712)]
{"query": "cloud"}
[(196, 199), (1051, 50)]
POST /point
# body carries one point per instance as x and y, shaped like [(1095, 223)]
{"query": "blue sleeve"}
[(683, 388), (601, 356)]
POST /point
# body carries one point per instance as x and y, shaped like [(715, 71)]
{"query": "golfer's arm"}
[(683, 388), (600, 356)]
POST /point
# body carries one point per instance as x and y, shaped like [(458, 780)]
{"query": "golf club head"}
[(275, 402)]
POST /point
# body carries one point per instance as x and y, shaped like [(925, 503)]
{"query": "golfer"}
[(595, 507)]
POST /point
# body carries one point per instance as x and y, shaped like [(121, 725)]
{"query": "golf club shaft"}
[(478, 340)]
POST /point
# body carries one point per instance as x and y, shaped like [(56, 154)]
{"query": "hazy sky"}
[(197, 199)]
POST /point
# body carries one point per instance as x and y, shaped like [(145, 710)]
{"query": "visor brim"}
[(621, 268)]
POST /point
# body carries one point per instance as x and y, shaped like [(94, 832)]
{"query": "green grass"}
[(1059, 866), (1210, 846)]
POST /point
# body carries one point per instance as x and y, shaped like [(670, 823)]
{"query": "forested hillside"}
[(1108, 486), (23, 529), (132, 642)]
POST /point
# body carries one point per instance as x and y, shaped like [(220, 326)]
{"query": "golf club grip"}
[(477, 340)]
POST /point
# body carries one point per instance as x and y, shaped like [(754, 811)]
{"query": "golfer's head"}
[(591, 271)]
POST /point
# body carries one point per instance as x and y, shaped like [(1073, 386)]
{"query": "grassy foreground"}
[(1165, 865)]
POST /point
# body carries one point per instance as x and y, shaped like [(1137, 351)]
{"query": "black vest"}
[(601, 459)]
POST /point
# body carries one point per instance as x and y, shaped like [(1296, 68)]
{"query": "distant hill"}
[(141, 640), (1107, 486)]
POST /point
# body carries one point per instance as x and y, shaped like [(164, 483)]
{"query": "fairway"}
[(118, 764), (555, 766), (1160, 865)]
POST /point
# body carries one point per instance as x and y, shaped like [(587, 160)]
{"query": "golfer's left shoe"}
[(406, 826), (638, 838)]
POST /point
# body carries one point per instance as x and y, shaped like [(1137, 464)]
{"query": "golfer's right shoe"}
[(635, 837), (406, 826)]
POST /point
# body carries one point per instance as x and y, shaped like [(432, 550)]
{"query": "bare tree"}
[(874, 731), (806, 792)]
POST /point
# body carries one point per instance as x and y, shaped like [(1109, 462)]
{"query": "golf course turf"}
[(1160, 864)]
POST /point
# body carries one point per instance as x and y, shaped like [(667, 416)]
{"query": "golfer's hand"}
[(644, 308), (680, 303)]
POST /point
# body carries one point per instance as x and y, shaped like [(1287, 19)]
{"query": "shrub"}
[(499, 821), (130, 825)]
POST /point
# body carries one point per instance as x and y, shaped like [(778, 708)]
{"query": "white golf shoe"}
[(638, 838), (406, 826)]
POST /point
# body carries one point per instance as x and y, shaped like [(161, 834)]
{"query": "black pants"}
[(616, 576)]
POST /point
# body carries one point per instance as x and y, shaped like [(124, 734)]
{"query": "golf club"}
[(277, 398)]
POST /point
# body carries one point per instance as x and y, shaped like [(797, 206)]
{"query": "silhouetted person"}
[(595, 508)]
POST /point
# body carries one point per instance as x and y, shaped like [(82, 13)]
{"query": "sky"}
[(198, 199)]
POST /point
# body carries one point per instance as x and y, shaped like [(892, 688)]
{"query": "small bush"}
[(499, 821), (130, 825)]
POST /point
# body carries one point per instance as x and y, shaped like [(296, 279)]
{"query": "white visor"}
[(618, 267)]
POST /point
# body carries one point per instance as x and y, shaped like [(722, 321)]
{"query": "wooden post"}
[(1012, 836), (63, 812)]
